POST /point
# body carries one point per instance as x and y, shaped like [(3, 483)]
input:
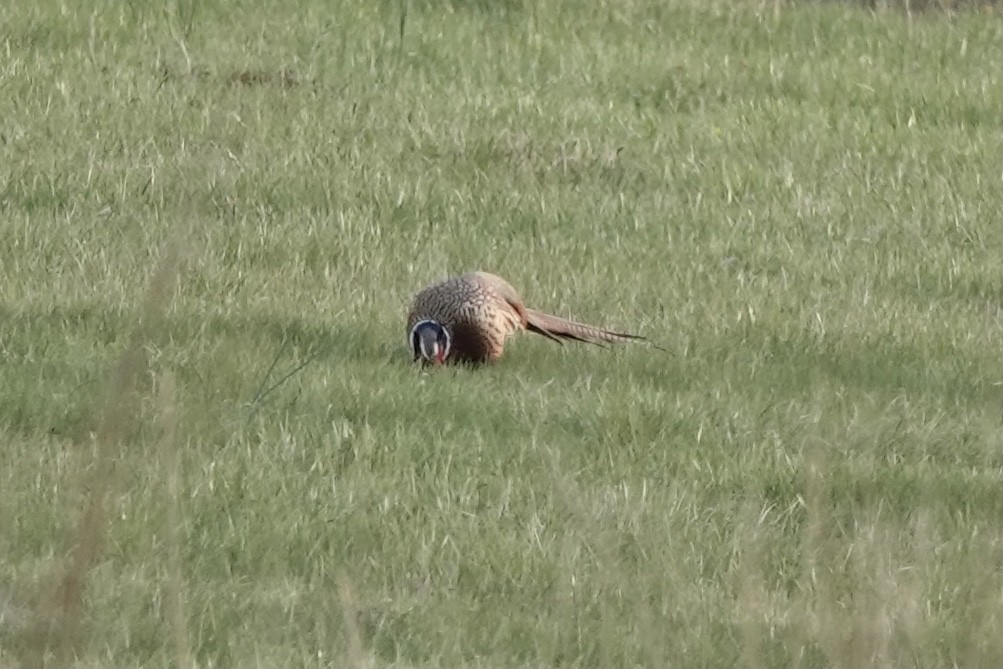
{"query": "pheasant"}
[(467, 318)]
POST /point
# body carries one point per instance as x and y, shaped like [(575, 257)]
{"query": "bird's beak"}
[(440, 357)]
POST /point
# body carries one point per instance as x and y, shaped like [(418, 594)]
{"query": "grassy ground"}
[(216, 450)]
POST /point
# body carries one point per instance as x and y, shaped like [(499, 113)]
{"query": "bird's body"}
[(467, 318)]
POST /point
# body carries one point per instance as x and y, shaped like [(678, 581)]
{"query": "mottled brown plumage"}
[(480, 310)]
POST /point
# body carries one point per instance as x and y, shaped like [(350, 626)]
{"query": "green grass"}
[(216, 450)]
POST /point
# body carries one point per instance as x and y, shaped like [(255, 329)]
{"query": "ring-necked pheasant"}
[(467, 319)]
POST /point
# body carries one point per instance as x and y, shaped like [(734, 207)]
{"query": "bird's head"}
[(430, 342)]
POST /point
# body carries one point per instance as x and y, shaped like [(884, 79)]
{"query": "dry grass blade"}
[(53, 636), (170, 455), (355, 656)]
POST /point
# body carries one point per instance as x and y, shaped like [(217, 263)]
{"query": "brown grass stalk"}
[(53, 636)]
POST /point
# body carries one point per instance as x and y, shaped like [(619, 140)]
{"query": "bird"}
[(467, 318)]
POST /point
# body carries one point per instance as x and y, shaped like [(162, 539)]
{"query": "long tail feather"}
[(556, 328)]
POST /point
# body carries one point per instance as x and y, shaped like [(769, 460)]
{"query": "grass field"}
[(216, 451)]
